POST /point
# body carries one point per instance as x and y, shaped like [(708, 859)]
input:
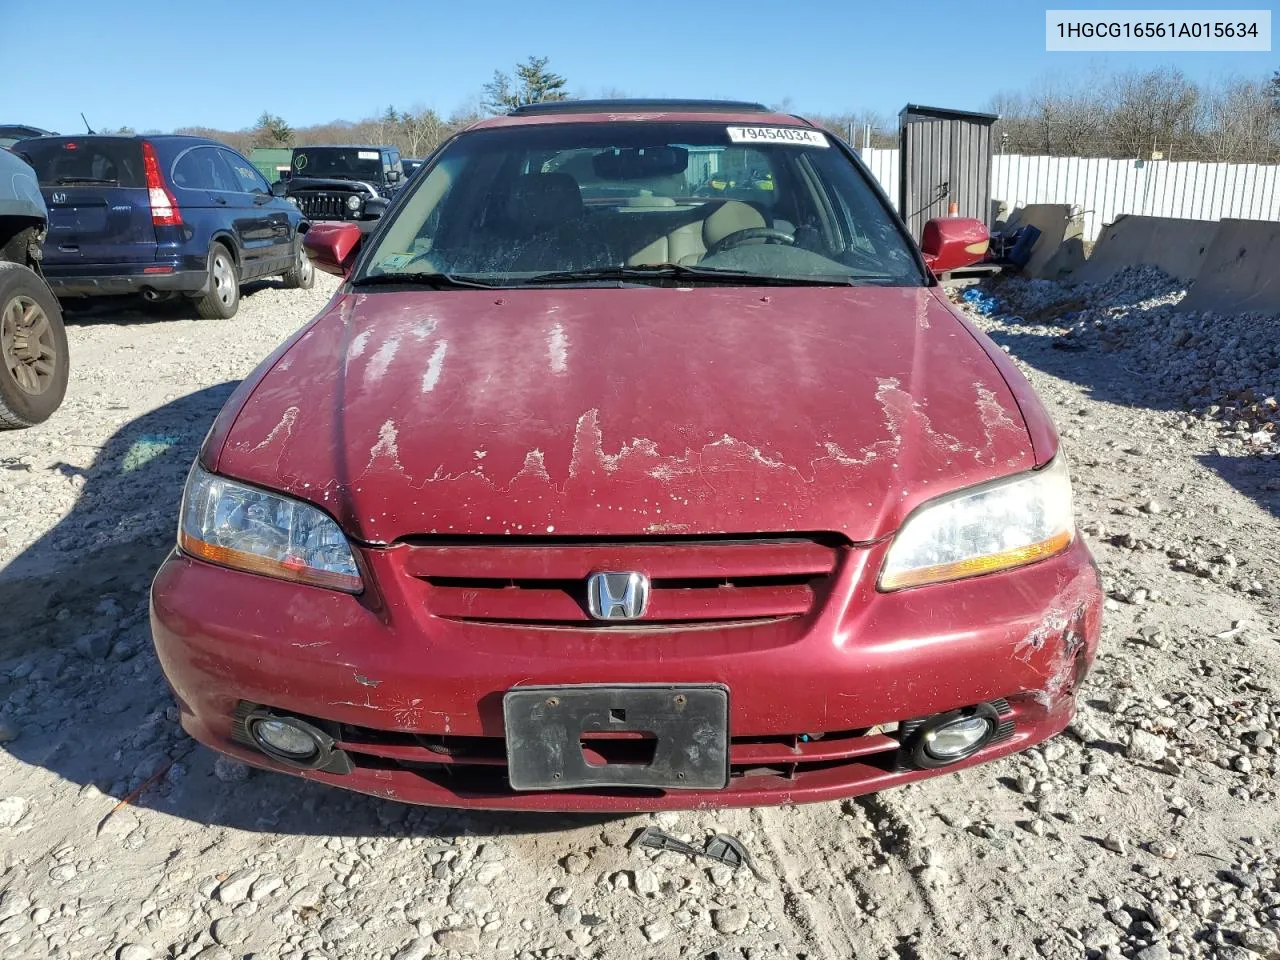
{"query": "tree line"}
[(1151, 114), (1132, 114), (416, 131)]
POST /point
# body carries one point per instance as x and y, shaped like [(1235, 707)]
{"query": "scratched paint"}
[(435, 366), (285, 426), (558, 349), (1060, 633), (381, 360), (358, 344), (922, 309), (386, 447), (994, 416), (882, 408)]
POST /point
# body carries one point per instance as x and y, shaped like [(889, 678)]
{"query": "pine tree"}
[(271, 130), (533, 83)]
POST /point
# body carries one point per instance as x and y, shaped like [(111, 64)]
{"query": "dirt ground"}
[(1151, 829)]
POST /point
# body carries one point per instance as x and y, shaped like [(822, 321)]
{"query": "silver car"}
[(33, 343)]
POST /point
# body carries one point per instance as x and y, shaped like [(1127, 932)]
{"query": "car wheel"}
[(302, 275), (222, 299), (33, 347)]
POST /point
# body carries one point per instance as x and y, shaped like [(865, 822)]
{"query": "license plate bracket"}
[(687, 724)]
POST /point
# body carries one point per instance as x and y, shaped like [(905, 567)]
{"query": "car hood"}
[(626, 411), (296, 183)]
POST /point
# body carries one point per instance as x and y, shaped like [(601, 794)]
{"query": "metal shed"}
[(271, 161), (945, 158)]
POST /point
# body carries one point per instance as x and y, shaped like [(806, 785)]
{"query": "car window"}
[(505, 204), (68, 161), (353, 163), (202, 168), (249, 179)]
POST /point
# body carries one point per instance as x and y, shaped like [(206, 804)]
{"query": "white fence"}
[(1104, 189)]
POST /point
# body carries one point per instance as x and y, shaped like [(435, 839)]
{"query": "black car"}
[(11, 133), (345, 183), (162, 216)]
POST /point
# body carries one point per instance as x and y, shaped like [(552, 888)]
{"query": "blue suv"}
[(162, 216)]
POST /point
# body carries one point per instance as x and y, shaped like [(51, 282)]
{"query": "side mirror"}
[(393, 176), (949, 243), (332, 247), (278, 188)]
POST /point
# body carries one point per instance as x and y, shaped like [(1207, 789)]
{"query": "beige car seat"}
[(689, 243)]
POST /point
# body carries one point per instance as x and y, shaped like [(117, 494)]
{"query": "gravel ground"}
[(1150, 830)]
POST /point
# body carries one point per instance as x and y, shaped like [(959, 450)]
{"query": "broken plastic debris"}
[(145, 449), (721, 848)]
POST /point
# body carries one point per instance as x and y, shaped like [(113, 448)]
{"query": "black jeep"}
[(354, 183)]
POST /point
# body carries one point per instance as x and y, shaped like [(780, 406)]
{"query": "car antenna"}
[(86, 124)]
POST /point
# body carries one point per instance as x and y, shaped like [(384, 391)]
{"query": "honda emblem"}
[(617, 596)]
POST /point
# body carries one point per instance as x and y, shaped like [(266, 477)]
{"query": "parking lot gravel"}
[(1151, 829)]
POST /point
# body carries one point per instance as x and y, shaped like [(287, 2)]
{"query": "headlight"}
[(238, 526), (294, 201), (992, 527), (353, 202)]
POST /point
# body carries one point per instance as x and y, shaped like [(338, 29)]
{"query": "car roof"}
[(647, 110), (149, 137), (10, 128), (342, 146)]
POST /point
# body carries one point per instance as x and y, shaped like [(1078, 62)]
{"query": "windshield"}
[(517, 205), (344, 164)]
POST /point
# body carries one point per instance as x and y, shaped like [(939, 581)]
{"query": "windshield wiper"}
[(677, 271), (436, 281), (94, 180)]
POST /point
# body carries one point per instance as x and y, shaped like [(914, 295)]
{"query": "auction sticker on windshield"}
[(796, 136), (367, 155)]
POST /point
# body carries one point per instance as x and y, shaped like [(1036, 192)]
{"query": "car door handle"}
[(220, 201)]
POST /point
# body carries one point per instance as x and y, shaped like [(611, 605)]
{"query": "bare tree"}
[(423, 131), (853, 127), (1240, 123)]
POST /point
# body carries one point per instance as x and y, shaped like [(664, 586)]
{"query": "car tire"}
[(33, 347), (302, 275), (222, 299)]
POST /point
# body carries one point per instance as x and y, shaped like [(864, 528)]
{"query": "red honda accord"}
[(639, 462)]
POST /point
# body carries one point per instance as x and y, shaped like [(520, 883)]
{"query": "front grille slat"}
[(516, 604), (671, 560), (318, 205), (692, 581), (368, 747)]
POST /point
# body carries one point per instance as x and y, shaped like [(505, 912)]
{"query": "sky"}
[(222, 64)]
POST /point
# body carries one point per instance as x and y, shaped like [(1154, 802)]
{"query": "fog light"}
[(283, 737), (958, 738), (951, 737)]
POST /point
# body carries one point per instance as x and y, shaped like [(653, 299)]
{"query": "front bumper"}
[(366, 225), (419, 713)]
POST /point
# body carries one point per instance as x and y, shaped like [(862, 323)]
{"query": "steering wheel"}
[(750, 235)]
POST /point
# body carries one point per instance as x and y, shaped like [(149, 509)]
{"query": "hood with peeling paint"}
[(633, 411)]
